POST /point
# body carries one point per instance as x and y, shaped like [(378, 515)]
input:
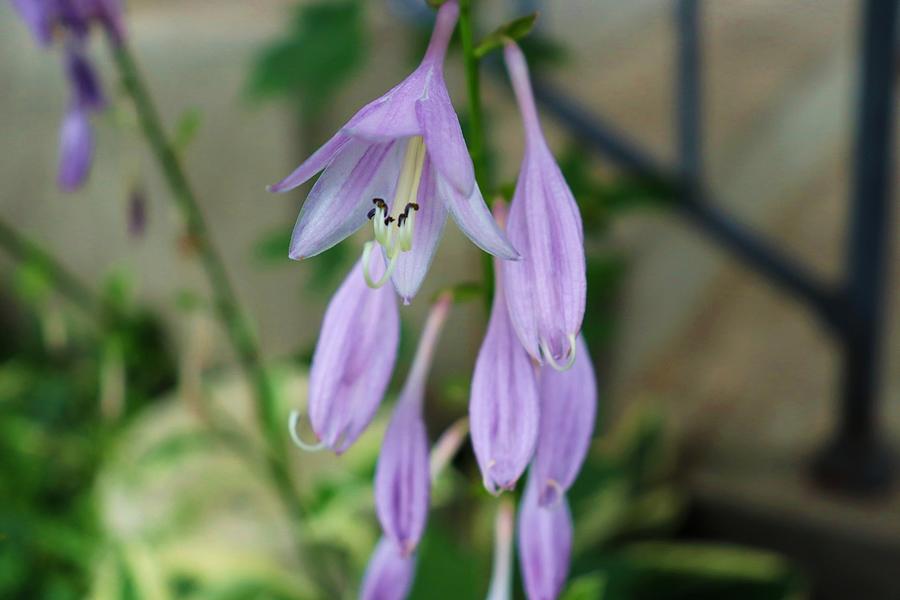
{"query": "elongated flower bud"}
[(353, 361), (568, 412), (546, 289), (389, 574), (503, 406), (402, 483), (76, 149), (545, 545)]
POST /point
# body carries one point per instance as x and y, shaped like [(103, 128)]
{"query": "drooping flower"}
[(402, 483), (389, 574), (352, 363), (503, 404), (402, 163), (546, 289), (73, 18), (568, 412), (501, 576), (545, 545)]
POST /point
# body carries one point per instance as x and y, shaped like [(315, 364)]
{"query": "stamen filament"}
[(366, 257), (293, 421), (570, 359)]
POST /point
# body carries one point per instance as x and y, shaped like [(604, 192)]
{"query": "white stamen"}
[(293, 421), (570, 360), (366, 257)]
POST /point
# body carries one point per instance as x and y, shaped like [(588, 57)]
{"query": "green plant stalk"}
[(23, 249), (227, 307), (476, 125)]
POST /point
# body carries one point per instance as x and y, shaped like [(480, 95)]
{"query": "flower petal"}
[(353, 361), (338, 203), (402, 483), (545, 545), (412, 266), (443, 136), (474, 219), (76, 149), (546, 290), (389, 575), (39, 16), (568, 413), (393, 115), (312, 165), (503, 407), (83, 80)]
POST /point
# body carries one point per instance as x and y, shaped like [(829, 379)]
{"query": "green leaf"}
[(186, 129), (31, 283), (273, 246), (514, 31), (586, 587), (324, 47)]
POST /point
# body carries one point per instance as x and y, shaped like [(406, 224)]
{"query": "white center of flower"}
[(394, 231)]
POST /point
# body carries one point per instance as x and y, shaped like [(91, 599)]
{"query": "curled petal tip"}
[(570, 357), (551, 494)]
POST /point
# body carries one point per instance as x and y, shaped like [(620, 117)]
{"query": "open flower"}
[(546, 290), (402, 163), (352, 364), (503, 406), (402, 482), (545, 544), (568, 412)]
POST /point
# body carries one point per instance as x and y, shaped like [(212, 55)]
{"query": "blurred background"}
[(717, 389)]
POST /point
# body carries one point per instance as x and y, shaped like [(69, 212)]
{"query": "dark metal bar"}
[(856, 458), (689, 91), (755, 251)]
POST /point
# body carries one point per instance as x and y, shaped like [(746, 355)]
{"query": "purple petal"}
[(393, 115), (76, 149), (503, 407), (402, 484), (83, 79), (443, 136), (312, 165), (546, 290), (474, 219), (389, 575), (545, 545), (109, 13), (39, 16), (568, 412), (353, 361), (412, 266), (338, 203)]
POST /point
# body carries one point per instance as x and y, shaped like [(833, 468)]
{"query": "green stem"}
[(476, 125), (23, 249), (225, 299)]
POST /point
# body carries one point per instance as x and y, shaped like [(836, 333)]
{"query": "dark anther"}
[(379, 202), (413, 205), (388, 220), (371, 214), (401, 220)]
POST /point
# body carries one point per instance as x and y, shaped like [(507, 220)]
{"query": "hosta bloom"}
[(353, 362), (402, 483), (72, 19), (503, 405), (545, 545), (568, 412), (546, 289), (402, 163), (389, 574)]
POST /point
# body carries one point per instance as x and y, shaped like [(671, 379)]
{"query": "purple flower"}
[(84, 84), (389, 574), (503, 405), (545, 545), (40, 16), (402, 484), (545, 290), (73, 16), (352, 364), (568, 412), (401, 161), (76, 149)]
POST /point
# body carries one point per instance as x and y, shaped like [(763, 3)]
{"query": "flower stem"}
[(227, 307), (476, 124), (25, 250)]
